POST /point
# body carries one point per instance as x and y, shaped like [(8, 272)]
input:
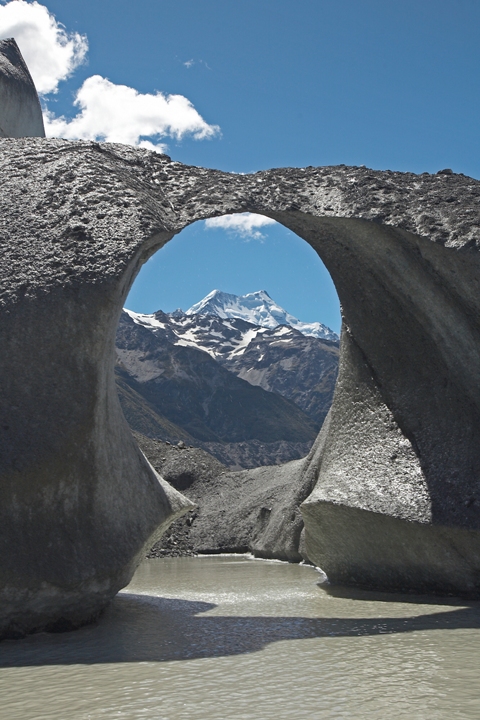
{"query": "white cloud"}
[(243, 224), (50, 52), (117, 113)]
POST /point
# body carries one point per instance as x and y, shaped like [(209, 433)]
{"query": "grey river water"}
[(235, 638)]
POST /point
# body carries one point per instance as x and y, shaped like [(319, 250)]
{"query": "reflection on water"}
[(237, 638)]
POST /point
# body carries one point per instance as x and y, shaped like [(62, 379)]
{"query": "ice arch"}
[(20, 111), (395, 471)]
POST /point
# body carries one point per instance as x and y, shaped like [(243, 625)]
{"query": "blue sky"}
[(390, 85)]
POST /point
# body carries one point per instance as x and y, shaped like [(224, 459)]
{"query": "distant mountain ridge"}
[(281, 360), (196, 393), (250, 394), (259, 309)]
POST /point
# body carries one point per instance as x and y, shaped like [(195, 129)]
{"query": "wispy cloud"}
[(118, 113), (115, 113), (190, 63), (51, 53), (244, 224)]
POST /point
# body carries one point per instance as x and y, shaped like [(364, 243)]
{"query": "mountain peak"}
[(260, 294), (257, 308)]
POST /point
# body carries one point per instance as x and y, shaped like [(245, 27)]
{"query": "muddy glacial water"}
[(235, 638)]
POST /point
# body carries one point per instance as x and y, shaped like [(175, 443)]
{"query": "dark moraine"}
[(395, 470)]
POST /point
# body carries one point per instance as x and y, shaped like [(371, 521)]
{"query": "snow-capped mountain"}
[(188, 371), (259, 309), (174, 390), (282, 359), (222, 339)]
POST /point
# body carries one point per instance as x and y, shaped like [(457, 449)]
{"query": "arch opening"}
[(242, 330), (236, 377)]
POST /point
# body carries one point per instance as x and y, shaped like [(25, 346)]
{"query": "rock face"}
[(302, 369), (396, 467), (20, 111)]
